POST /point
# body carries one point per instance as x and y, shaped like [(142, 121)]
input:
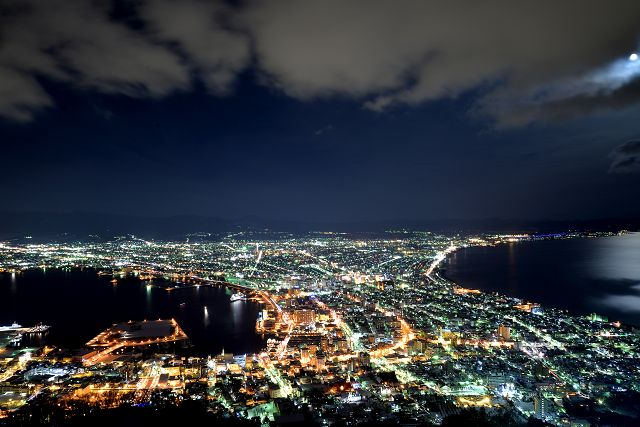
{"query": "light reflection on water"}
[(582, 275), (149, 300), (618, 259), (237, 313), (78, 304)]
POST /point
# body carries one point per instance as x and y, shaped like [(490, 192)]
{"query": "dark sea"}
[(582, 275), (78, 304)]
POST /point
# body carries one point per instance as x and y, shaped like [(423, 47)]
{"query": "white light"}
[(633, 57)]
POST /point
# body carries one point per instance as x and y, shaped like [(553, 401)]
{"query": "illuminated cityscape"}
[(363, 327), (292, 213)]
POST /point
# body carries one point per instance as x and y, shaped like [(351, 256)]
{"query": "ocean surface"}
[(78, 304), (582, 275)]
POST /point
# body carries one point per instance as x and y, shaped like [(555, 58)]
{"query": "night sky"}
[(321, 110)]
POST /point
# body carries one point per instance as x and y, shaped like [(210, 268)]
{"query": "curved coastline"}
[(579, 295), (38, 296)]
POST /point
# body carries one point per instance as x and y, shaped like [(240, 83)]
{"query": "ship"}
[(238, 297), (38, 328), (15, 340), (13, 327)]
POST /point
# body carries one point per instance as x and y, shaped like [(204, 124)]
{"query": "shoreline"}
[(60, 336), (443, 274)]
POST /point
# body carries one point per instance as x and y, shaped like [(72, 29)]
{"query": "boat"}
[(238, 297), (32, 330), (39, 328), (14, 326)]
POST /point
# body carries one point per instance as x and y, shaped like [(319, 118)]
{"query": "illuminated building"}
[(415, 347), (304, 316), (504, 332), (320, 361), (304, 356), (324, 343)]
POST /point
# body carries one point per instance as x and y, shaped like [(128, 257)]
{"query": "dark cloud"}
[(77, 42), (580, 105), (215, 52), (567, 106), (380, 53), (409, 52), (626, 158)]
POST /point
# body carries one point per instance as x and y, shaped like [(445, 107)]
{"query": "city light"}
[(358, 320)]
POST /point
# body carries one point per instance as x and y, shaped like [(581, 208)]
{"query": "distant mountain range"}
[(80, 225)]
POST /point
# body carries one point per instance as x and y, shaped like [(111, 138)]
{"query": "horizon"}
[(43, 226)]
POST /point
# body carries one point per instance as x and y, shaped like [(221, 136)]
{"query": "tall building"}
[(504, 332), (320, 360), (324, 343), (304, 356)]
